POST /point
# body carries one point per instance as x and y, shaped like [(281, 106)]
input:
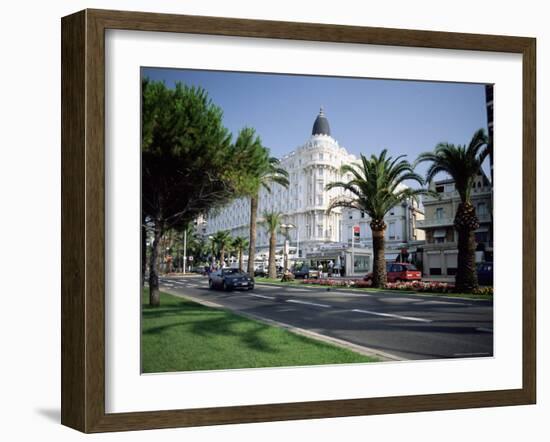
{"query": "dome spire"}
[(321, 126)]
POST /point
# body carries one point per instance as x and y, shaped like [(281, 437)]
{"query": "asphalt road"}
[(405, 326)]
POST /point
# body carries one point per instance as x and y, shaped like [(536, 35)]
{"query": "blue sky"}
[(365, 115)]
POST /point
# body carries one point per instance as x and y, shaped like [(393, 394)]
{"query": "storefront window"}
[(361, 264)]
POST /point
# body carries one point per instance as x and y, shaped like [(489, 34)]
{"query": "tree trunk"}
[(466, 273), (466, 223), (143, 252), (154, 294), (272, 269), (240, 260), (379, 278), (222, 257), (252, 239)]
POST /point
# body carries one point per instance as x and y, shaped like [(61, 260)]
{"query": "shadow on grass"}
[(206, 322)]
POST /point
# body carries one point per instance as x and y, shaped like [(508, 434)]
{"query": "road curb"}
[(365, 351)]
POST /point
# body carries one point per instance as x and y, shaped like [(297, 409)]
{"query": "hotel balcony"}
[(444, 222)]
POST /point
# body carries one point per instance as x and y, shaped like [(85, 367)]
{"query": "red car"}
[(399, 271)]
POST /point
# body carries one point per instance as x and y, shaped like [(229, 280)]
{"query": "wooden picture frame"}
[(83, 218)]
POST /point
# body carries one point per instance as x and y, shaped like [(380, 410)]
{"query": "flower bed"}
[(358, 283), (416, 286), (421, 286)]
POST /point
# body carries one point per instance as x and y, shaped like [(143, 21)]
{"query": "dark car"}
[(230, 279), (399, 271), (302, 272), (485, 273)]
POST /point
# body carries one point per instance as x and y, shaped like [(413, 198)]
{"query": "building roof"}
[(321, 126)]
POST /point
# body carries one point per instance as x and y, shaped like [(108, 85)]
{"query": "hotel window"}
[(319, 230), (320, 185), (320, 200), (391, 230), (320, 156), (320, 172), (439, 213), (481, 209), (439, 236), (440, 189)]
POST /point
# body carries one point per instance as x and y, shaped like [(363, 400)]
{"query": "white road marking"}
[(260, 296), (444, 302), (471, 354), (397, 300), (295, 301), (359, 295), (484, 329), (390, 315)]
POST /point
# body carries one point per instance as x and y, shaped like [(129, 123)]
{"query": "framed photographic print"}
[(268, 220)]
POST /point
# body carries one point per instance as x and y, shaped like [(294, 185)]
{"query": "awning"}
[(440, 234)]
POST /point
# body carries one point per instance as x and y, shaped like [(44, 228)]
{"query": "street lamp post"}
[(286, 228), (210, 237), (184, 250)]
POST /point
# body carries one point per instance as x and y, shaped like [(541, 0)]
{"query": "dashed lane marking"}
[(261, 296), (391, 315), (485, 329), (295, 301)]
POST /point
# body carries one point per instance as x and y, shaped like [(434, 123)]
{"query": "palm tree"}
[(376, 186), (272, 222), (240, 243), (261, 171), (222, 240), (463, 164)]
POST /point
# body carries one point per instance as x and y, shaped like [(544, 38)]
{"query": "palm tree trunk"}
[(466, 273), (252, 239), (272, 269), (379, 264), (240, 260), (143, 252), (154, 294), (466, 223), (222, 257)]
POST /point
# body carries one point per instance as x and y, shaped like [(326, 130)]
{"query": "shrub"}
[(288, 276), (484, 291)]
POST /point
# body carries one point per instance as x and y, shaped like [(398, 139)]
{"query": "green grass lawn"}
[(181, 335)]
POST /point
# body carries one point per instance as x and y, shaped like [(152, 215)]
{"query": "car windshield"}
[(410, 267), (233, 272)]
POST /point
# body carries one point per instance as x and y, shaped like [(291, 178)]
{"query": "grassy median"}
[(181, 335), (277, 281)]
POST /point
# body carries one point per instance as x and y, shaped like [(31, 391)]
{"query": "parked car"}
[(230, 279), (485, 273), (305, 272), (399, 271), (260, 271)]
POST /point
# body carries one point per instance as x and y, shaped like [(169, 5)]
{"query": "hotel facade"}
[(304, 205), (440, 251)]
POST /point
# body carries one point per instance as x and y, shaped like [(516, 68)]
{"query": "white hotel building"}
[(304, 203)]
